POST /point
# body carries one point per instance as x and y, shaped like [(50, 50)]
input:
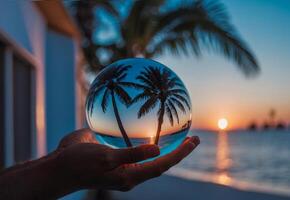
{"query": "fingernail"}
[(152, 150)]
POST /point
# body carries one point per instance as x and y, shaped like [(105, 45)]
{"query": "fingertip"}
[(198, 140), (195, 140), (189, 144)]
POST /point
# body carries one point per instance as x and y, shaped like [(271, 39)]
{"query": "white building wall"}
[(60, 88), (24, 28), (54, 57), (61, 115)]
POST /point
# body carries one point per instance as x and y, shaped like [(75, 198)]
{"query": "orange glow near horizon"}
[(238, 116), (152, 139), (146, 127), (209, 121)]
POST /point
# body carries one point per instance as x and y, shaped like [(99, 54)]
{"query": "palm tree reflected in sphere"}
[(138, 101)]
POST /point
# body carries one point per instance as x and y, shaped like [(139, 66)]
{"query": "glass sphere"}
[(138, 101)]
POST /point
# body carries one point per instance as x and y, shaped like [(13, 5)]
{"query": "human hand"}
[(92, 165)]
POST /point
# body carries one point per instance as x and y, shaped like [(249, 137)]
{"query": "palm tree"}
[(84, 12), (111, 84), (161, 87), (149, 30)]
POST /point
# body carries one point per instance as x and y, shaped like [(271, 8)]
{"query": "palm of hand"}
[(93, 165)]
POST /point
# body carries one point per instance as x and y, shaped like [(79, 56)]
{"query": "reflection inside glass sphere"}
[(138, 101)]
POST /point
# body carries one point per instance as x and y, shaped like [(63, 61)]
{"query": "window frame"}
[(12, 50), (2, 137)]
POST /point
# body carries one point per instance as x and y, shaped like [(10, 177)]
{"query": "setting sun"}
[(222, 123)]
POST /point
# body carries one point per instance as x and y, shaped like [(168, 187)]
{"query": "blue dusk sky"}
[(218, 88)]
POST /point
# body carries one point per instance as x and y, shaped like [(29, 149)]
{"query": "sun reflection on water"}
[(224, 179), (152, 138), (223, 161)]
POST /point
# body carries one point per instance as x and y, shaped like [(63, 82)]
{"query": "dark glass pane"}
[(1, 106), (22, 95)]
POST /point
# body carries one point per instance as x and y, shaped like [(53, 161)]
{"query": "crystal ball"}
[(138, 101)]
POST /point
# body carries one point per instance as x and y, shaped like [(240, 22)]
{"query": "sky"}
[(217, 87)]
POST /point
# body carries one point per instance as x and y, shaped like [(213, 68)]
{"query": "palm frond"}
[(174, 111), (120, 78), (178, 91), (183, 30), (107, 74), (207, 23), (123, 95), (182, 99), (174, 82), (121, 69), (232, 47), (178, 103), (165, 76), (137, 23), (141, 97), (169, 114), (177, 44), (147, 106), (104, 102), (86, 19), (91, 97), (133, 85), (147, 74), (96, 87), (156, 74), (162, 86), (146, 82)]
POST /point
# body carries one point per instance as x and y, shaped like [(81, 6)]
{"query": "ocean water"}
[(258, 161)]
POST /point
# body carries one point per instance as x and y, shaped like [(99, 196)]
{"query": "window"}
[(1, 106), (22, 109), (17, 107)]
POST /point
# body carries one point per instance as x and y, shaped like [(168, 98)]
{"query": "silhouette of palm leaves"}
[(110, 79), (146, 30), (110, 83), (161, 87)]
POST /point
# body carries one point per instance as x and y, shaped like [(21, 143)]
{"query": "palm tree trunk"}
[(116, 112), (160, 122)]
